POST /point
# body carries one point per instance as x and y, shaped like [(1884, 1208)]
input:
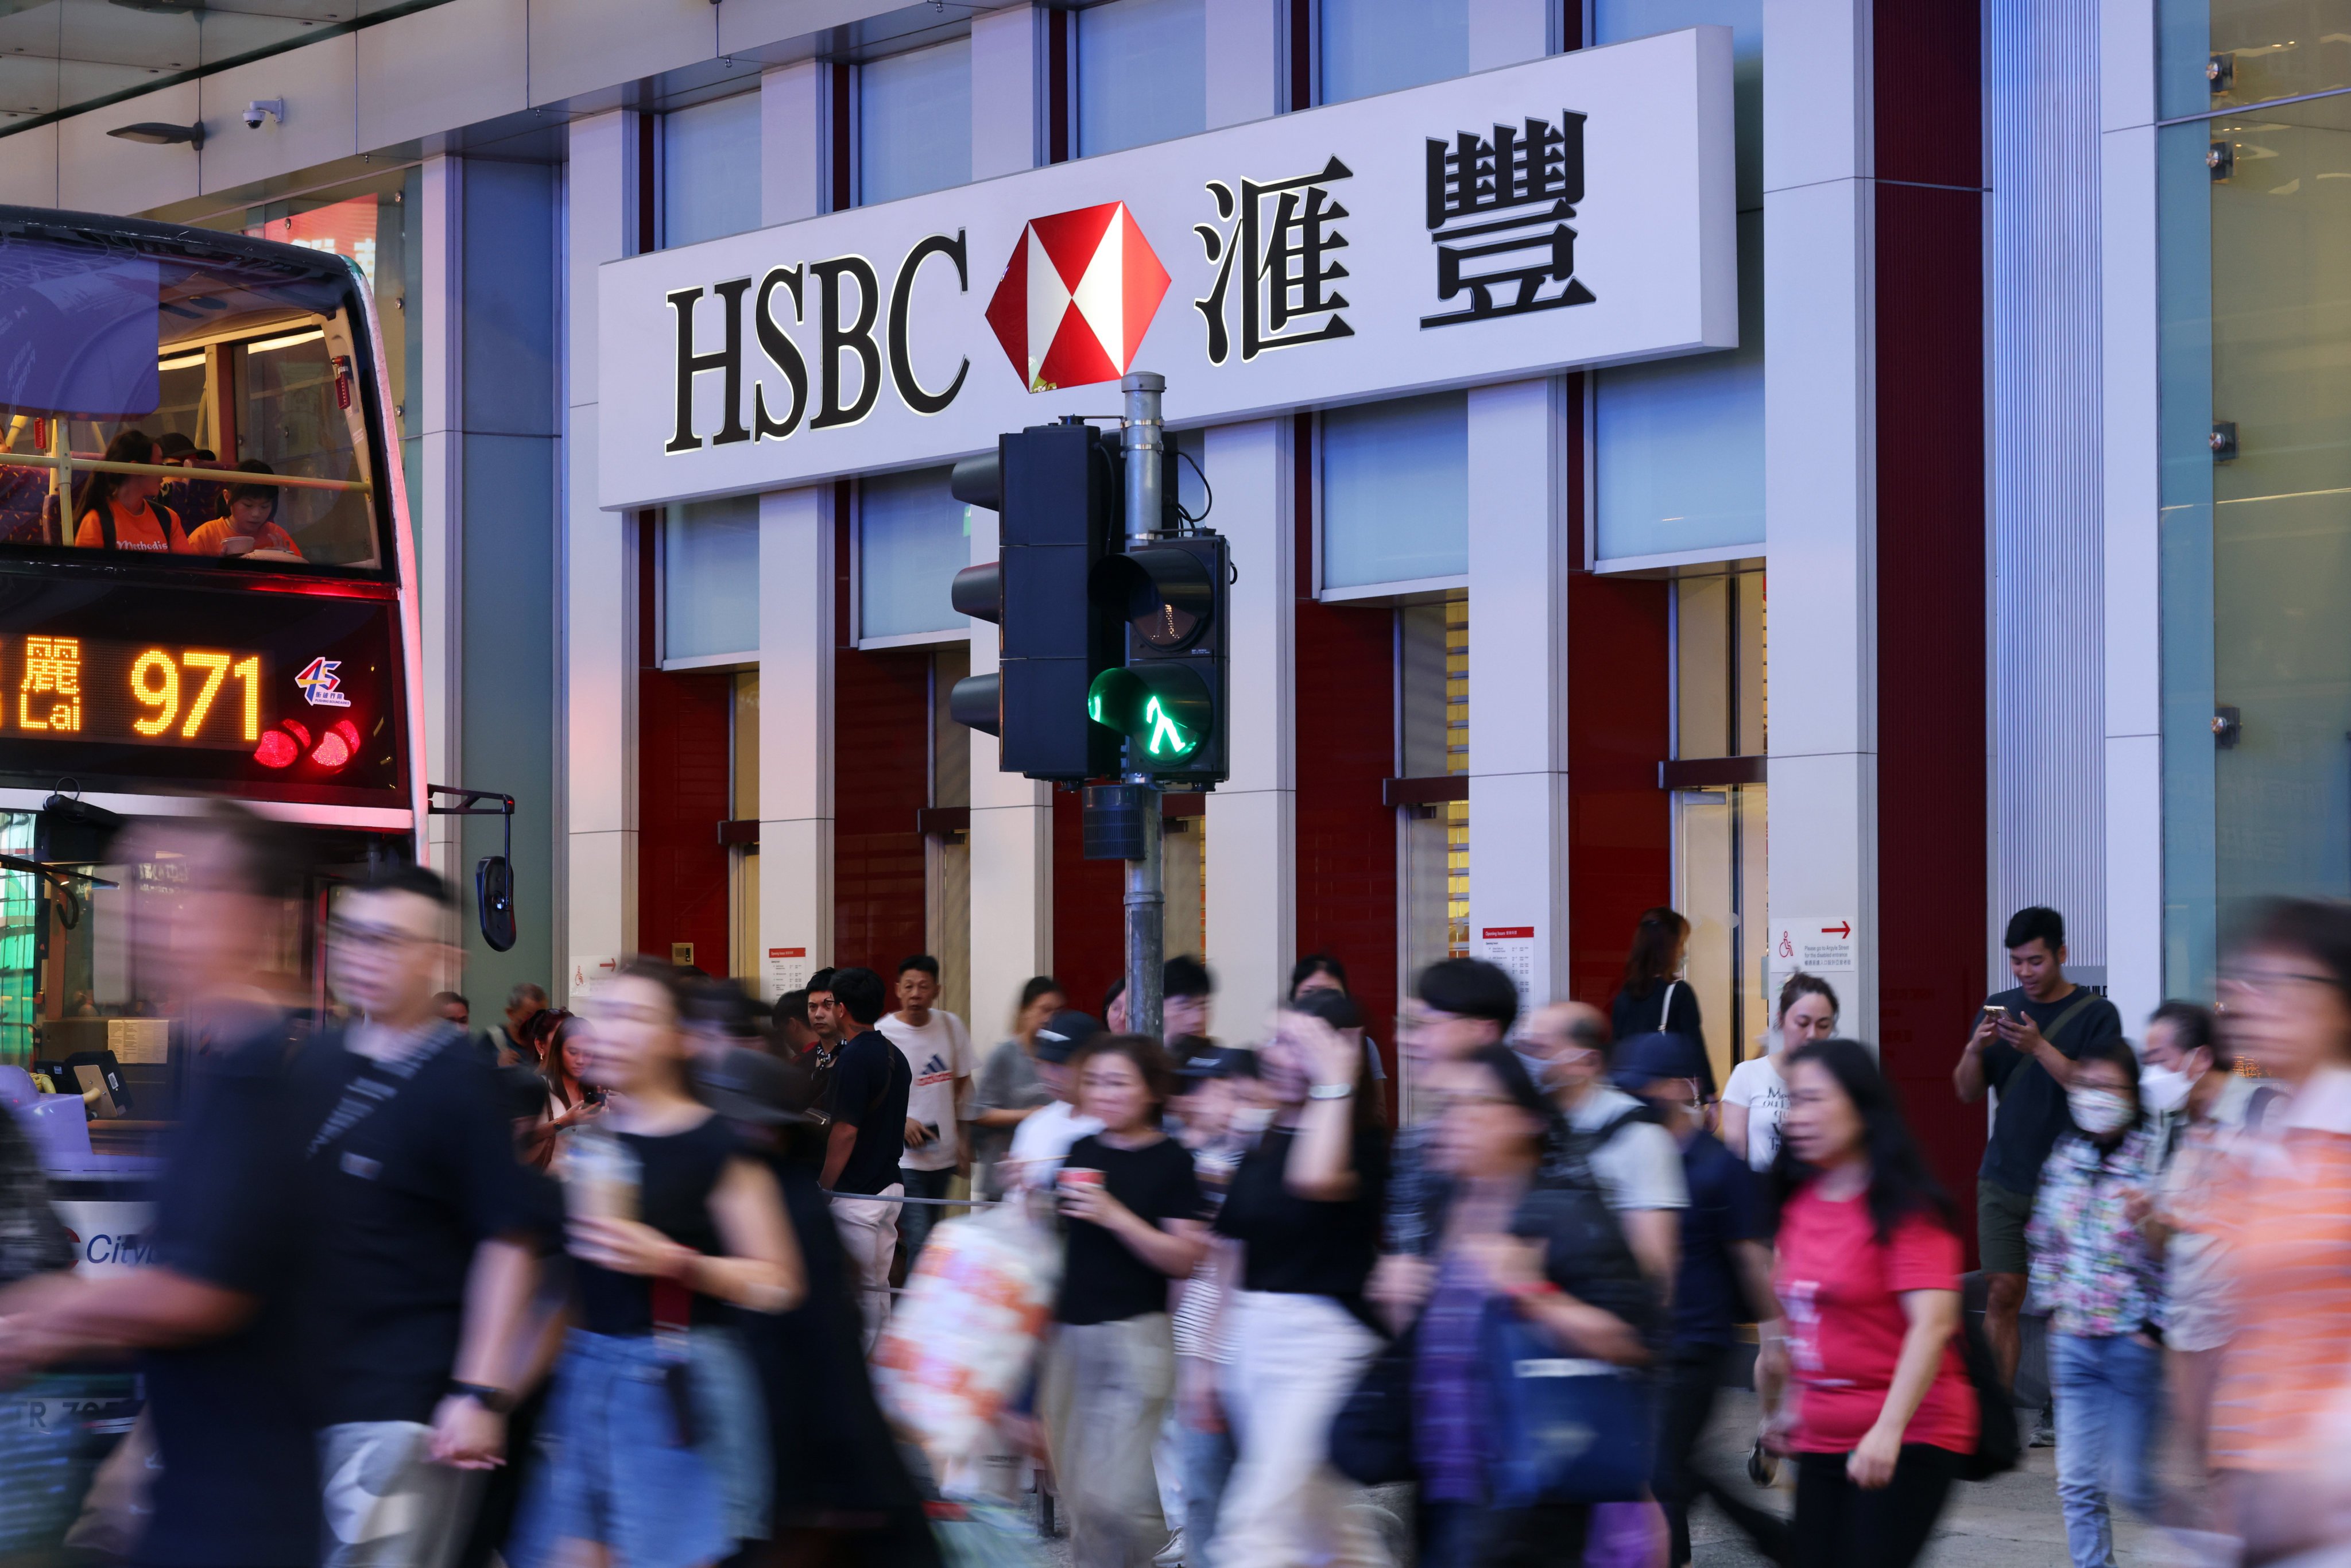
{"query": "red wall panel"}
[(1344, 672), (684, 792), (1089, 909), (881, 767), (1620, 824), (1932, 757)]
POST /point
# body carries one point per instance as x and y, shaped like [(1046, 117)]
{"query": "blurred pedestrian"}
[(1188, 999), (1756, 1098), (1611, 1140), (421, 1237), (1723, 1279), (453, 1006), (2023, 1045), (656, 1454), (214, 1314), (508, 1038), (1305, 1207), (938, 1049), (1322, 972), (1654, 998), (1135, 1221), (1009, 1090), (1458, 1006), (788, 1024), (2282, 1410), (2104, 1286), (1868, 1279), (1497, 1251), (870, 1086), (1224, 1082), (572, 1098), (1039, 1142), (2205, 1107)]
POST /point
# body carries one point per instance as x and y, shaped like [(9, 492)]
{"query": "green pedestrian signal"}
[(1165, 709)]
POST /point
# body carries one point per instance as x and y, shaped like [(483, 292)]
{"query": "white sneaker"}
[(1171, 1554)]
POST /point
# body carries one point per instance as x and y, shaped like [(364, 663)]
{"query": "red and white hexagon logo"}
[(1077, 296)]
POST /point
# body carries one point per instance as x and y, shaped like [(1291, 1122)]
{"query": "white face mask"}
[(2098, 1112), (2163, 1088)]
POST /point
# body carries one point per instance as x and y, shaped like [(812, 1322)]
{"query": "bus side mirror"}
[(494, 900)]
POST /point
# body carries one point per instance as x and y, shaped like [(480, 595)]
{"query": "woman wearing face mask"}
[(2206, 1105), (2104, 1286), (1756, 1098), (2282, 1411)]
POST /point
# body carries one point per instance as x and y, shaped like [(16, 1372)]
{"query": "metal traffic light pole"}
[(1143, 439)]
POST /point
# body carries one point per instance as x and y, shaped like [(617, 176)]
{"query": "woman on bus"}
[(120, 511)]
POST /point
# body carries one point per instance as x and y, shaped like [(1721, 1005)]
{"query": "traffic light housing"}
[(1057, 488), (1169, 600)]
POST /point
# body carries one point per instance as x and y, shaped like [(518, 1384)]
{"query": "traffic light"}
[(1057, 489), (1168, 598)]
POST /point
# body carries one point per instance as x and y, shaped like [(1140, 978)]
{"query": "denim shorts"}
[(609, 1470)]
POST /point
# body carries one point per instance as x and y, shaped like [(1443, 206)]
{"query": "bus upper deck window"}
[(219, 410)]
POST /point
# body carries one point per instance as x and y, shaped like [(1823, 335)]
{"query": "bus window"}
[(143, 394)]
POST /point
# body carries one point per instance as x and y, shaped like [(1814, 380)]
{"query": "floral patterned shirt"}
[(2090, 1267)]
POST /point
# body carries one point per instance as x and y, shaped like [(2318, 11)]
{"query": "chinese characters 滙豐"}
[(1498, 215), (53, 671), (1278, 247)]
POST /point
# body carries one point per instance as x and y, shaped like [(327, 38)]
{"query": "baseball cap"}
[(1063, 1033), (1198, 1058), (1646, 1058)]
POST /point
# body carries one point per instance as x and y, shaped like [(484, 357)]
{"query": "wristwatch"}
[(496, 1401), (1330, 1092)]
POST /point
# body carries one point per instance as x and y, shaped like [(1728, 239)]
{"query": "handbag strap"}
[(1666, 1010)]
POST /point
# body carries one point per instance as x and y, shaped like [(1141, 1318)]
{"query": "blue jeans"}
[(1207, 1461), (915, 1219), (2109, 1393)]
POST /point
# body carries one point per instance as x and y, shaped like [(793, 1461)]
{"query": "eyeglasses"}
[(351, 934)]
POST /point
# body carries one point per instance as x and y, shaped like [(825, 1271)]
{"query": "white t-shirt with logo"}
[(938, 1053), (1757, 1085)]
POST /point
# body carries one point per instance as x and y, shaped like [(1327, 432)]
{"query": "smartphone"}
[(1995, 1013)]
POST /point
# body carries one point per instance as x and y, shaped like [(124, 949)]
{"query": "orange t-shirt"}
[(208, 539), (149, 527)]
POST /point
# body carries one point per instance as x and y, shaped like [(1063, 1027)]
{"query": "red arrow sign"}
[(1844, 930)]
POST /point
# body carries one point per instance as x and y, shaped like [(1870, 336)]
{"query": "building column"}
[(1518, 562), (599, 600), (796, 734), (433, 494), (1252, 834), (2131, 453), (1819, 478)]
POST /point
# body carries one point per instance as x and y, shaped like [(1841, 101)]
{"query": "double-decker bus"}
[(207, 589)]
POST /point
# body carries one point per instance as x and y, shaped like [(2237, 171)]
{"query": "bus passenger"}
[(250, 524), (117, 511)]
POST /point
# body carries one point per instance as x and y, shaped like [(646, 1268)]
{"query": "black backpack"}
[(1584, 1247)]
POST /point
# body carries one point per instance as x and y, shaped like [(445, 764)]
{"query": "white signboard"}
[(785, 969), (1511, 949), (587, 974), (107, 1237), (1572, 210), (1815, 942)]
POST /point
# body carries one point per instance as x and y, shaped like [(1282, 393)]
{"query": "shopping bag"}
[(1567, 1428), (961, 1342)]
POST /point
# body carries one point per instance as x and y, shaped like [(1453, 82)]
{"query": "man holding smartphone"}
[(2023, 1046)]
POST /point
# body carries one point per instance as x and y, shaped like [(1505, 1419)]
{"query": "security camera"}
[(262, 109)]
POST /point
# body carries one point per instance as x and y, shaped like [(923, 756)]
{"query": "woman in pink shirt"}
[(1868, 1277)]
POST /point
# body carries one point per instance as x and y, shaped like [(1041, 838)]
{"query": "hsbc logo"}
[(1077, 297), (1078, 293)]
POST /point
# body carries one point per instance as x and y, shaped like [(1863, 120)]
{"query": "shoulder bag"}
[(1569, 1429)]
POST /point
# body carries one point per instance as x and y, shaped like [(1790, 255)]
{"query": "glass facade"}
[(1142, 73), (2254, 211), (913, 538), (710, 579), (1678, 443), (710, 170), (1395, 491), (914, 123), (1379, 45)]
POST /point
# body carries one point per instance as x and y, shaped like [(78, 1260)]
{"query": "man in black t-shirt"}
[(215, 1313), (870, 1081), (2024, 1045), (423, 1229)]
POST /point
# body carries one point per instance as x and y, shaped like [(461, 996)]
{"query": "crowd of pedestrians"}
[(600, 1287)]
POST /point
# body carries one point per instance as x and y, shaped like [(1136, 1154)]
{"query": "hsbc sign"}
[(1574, 211)]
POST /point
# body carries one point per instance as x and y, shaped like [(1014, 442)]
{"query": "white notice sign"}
[(1511, 949), (586, 973), (785, 969), (1815, 942)]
